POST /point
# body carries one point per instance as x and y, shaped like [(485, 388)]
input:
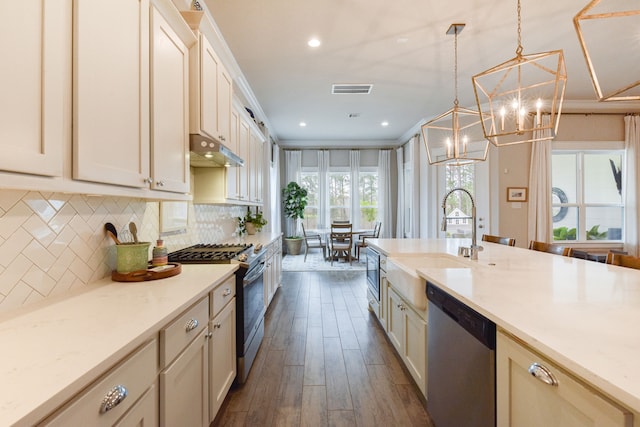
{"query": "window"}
[(310, 182), (368, 187), (459, 207), (587, 197), (339, 196)]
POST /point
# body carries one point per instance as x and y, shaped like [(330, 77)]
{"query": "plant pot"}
[(250, 227), (293, 245)]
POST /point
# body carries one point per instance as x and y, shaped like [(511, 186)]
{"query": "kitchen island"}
[(580, 314)]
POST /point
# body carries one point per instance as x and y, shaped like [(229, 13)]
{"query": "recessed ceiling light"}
[(302, 124), (313, 42), (385, 123)]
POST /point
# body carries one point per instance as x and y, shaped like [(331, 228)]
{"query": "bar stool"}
[(509, 241), (549, 248)]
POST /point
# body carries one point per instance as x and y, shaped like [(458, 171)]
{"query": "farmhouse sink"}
[(401, 273)]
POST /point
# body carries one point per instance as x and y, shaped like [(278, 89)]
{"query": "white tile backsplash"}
[(51, 243)]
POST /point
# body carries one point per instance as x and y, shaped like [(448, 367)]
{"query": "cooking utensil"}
[(112, 232), (134, 231)]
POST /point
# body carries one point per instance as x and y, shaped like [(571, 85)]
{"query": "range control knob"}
[(242, 257), (257, 248)]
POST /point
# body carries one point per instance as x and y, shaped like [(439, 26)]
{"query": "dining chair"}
[(509, 241), (549, 248), (340, 221), (362, 238), (313, 241), (623, 260), (340, 241)]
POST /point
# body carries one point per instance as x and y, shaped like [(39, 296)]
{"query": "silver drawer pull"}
[(227, 292), (191, 325), (217, 326), (113, 398), (543, 373)]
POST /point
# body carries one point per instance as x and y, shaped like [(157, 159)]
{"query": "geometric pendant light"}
[(618, 62), (455, 137), (512, 96)]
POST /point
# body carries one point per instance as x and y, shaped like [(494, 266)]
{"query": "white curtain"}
[(384, 188), (354, 162), (323, 185), (293, 160), (276, 192), (400, 211), (539, 213), (632, 189)]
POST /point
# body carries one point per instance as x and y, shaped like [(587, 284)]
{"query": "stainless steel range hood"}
[(209, 153)]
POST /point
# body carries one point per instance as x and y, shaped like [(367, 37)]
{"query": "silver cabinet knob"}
[(217, 326), (191, 325), (227, 292), (148, 180), (208, 335), (113, 398), (160, 183)]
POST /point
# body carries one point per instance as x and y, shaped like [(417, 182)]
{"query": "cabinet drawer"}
[(179, 333), (222, 294), (545, 394), (135, 374)]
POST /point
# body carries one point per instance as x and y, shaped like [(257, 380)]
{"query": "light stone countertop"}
[(581, 314), (53, 349)]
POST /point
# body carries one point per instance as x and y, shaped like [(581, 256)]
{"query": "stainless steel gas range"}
[(250, 306)]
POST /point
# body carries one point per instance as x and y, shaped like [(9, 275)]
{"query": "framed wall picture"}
[(516, 194)]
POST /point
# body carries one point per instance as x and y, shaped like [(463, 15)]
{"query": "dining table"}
[(326, 232)]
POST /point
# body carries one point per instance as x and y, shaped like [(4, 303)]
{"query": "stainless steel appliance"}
[(461, 370), (250, 307), (373, 272)]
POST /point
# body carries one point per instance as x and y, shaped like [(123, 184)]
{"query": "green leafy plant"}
[(595, 234), (256, 219), (564, 233), (295, 201)]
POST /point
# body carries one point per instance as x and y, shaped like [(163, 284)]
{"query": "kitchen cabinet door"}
[(256, 168), (525, 400), (408, 334), (211, 92), (222, 360), (111, 92), (170, 103), (35, 79), (243, 152), (232, 173), (184, 386)]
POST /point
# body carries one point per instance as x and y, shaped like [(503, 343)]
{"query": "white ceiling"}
[(400, 47)]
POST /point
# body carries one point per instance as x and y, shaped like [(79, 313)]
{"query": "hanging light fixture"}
[(512, 96), (455, 137), (621, 48)]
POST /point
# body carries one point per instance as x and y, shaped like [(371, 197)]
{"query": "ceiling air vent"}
[(351, 89)]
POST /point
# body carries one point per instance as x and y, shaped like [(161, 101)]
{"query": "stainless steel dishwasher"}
[(460, 364)]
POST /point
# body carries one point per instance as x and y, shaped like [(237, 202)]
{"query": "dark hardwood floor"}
[(324, 361)]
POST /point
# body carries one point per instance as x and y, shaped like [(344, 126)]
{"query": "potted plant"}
[(295, 200), (251, 223)]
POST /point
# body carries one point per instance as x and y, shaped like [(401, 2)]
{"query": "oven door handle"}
[(254, 273)]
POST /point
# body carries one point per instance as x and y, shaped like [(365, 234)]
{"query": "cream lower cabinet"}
[(125, 396), (36, 48), (407, 331), (222, 345), (524, 399), (184, 358), (273, 270)]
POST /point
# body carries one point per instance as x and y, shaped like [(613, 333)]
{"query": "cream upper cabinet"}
[(34, 83), (170, 101), (233, 183), (533, 391), (211, 93), (256, 167), (111, 92), (243, 151)]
